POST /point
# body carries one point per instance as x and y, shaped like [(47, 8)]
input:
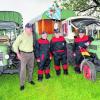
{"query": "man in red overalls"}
[(59, 51), (80, 42), (42, 53)]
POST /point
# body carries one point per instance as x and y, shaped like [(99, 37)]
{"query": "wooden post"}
[(43, 25)]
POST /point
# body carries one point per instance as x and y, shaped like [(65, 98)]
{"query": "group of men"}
[(44, 51)]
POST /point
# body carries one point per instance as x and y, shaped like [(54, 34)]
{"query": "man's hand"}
[(19, 55), (50, 58), (87, 43), (50, 55), (74, 54), (38, 60)]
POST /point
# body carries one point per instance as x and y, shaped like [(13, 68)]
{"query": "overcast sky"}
[(28, 8)]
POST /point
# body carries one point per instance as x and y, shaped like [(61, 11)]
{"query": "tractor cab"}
[(10, 28), (70, 26), (8, 33), (92, 27)]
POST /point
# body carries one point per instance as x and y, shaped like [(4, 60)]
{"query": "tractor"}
[(90, 65), (10, 28)]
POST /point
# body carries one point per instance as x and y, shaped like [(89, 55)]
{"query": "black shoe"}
[(22, 88), (58, 72), (77, 70), (47, 76), (40, 78), (32, 82), (66, 72)]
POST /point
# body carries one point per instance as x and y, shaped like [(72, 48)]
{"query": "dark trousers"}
[(60, 57), (78, 58), (44, 65)]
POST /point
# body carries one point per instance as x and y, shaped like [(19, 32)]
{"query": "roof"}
[(11, 16), (65, 13), (82, 21), (81, 17)]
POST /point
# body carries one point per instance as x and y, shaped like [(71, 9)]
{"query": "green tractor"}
[(91, 66), (10, 28), (91, 63)]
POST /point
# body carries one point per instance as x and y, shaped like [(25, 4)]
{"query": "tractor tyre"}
[(88, 69)]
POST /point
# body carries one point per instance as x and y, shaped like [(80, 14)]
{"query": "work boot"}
[(47, 76), (40, 77), (66, 72), (58, 72), (22, 87), (32, 82), (77, 70)]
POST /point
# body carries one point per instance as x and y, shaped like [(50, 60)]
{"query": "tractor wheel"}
[(88, 70), (15, 67)]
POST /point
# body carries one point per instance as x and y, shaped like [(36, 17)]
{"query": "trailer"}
[(46, 23)]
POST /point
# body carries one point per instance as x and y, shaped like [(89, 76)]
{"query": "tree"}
[(83, 7), (87, 7)]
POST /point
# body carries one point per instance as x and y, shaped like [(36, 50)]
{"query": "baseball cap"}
[(28, 25), (81, 31)]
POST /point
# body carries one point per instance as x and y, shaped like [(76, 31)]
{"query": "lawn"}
[(71, 87)]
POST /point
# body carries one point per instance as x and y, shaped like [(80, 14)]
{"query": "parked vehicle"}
[(90, 65), (10, 27)]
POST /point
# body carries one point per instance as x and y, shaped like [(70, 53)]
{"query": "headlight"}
[(6, 56)]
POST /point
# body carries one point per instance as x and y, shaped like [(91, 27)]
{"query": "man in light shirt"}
[(23, 46)]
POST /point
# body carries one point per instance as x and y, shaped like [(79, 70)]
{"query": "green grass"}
[(71, 87)]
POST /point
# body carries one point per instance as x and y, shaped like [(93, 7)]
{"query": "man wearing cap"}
[(23, 46), (59, 51), (80, 42), (43, 56)]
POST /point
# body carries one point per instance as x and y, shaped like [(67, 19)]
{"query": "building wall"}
[(46, 25)]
